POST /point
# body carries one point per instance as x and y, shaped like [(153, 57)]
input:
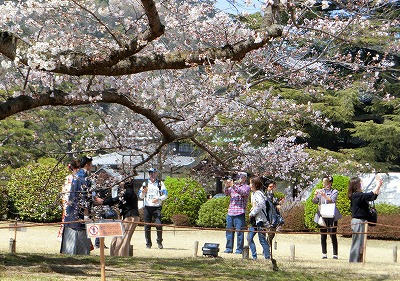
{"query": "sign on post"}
[(104, 229)]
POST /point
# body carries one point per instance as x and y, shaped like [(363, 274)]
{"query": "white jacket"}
[(258, 208), (153, 192)]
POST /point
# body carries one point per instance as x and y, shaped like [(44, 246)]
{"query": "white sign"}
[(104, 229)]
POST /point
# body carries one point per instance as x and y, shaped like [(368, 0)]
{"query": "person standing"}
[(74, 239), (153, 192), (327, 195), (101, 213), (129, 211), (235, 219), (73, 167), (258, 218), (271, 187), (359, 213)]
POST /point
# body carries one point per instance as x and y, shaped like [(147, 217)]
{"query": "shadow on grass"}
[(60, 267), (66, 265)]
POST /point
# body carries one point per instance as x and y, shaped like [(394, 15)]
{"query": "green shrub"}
[(343, 203), (279, 195), (213, 213), (185, 196), (3, 202), (34, 191), (387, 209)]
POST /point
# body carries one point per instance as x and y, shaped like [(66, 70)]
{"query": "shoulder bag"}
[(327, 210), (372, 215)]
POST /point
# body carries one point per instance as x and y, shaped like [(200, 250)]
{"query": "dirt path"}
[(179, 243)]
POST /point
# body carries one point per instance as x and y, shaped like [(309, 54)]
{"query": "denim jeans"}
[(262, 237), (235, 223)]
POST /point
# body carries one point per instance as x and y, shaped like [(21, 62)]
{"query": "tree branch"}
[(212, 154), (9, 43), (59, 98), (83, 65)]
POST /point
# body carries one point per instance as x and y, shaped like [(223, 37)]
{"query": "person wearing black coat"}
[(129, 212), (359, 213)]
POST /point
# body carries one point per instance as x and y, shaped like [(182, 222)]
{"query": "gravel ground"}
[(180, 243)]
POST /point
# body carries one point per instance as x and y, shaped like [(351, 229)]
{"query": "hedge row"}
[(388, 227), (186, 205)]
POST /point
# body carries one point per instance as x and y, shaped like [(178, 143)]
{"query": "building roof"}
[(108, 159), (121, 158), (179, 161)]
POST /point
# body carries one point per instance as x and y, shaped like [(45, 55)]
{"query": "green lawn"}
[(59, 267)]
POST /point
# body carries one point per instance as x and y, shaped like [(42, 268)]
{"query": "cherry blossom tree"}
[(177, 68), (79, 52)]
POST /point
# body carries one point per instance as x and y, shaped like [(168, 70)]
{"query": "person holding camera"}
[(128, 206), (258, 218), (359, 213), (103, 212), (235, 220), (153, 192), (327, 195)]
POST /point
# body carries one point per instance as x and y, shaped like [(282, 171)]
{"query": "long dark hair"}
[(354, 186)]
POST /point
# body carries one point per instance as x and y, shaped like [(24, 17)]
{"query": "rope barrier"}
[(196, 228)]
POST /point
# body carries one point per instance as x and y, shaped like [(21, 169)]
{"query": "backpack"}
[(273, 216)]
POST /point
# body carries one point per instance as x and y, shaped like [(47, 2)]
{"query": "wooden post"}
[(245, 253), (394, 253), (102, 260), (292, 252), (12, 246), (365, 241), (15, 230), (195, 248), (13, 242)]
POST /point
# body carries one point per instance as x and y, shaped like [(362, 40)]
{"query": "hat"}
[(241, 175), (152, 170)]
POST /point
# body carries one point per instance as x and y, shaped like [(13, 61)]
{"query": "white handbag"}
[(327, 210), (321, 221)]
